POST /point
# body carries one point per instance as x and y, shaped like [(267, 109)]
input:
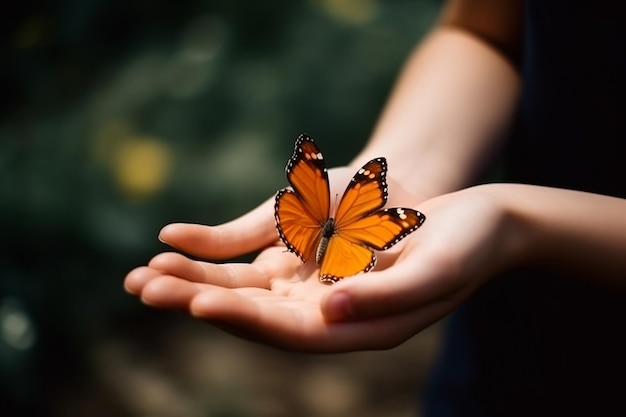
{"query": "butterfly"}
[(342, 244)]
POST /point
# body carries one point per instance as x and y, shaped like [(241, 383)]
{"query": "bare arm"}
[(453, 100), (575, 233)]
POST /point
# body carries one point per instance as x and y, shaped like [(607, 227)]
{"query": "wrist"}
[(516, 236)]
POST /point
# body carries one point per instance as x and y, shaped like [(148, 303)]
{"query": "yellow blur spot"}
[(142, 165), (350, 11)]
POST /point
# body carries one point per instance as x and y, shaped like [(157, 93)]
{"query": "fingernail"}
[(161, 233)]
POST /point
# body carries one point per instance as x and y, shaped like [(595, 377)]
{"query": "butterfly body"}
[(328, 230), (342, 245)]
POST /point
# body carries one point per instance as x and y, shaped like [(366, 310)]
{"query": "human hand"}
[(279, 301)]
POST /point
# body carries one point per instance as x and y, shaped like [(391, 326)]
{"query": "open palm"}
[(279, 301)]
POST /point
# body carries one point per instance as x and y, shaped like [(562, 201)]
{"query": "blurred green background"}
[(119, 117)]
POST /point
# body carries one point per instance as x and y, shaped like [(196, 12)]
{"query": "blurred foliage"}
[(119, 117)]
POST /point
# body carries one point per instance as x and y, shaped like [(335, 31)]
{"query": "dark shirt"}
[(529, 343)]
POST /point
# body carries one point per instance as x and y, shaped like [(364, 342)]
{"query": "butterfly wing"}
[(350, 252), (299, 232), (384, 228), (308, 176), (361, 226), (344, 258), (366, 193), (301, 211)]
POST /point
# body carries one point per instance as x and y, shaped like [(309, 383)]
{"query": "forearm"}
[(452, 102), (576, 233)]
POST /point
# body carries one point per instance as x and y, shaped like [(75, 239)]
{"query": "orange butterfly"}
[(342, 244)]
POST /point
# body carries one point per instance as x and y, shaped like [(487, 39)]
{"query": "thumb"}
[(397, 289), (248, 233)]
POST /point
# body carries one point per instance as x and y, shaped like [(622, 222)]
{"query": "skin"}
[(470, 234)]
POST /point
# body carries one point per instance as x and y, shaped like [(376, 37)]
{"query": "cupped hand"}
[(279, 301)]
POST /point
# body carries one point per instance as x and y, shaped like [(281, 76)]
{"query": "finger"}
[(137, 278), (248, 233), (406, 285), (269, 266), (170, 292)]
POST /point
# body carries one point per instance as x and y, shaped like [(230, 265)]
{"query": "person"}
[(533, 268)]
